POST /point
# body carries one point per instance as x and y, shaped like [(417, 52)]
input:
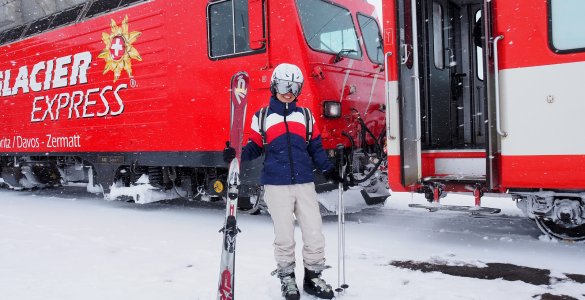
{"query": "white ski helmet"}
[(286, 78)]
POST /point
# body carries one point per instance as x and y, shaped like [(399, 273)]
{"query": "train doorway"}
[(443, 92)]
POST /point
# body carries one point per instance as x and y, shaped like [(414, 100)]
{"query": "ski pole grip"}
[(340, 159)]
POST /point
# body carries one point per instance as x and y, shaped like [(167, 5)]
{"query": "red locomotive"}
[(116, 92), (485, 96)]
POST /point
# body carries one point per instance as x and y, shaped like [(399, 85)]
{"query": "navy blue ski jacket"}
[(289, 159)]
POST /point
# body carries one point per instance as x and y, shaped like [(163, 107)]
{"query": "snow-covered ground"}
[(68, 244)]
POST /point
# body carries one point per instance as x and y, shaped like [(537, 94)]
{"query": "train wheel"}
[(560, 231)]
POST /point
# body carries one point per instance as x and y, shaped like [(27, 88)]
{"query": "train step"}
[(470, 209)]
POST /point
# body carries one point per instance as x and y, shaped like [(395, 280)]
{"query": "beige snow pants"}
[(300, 200)]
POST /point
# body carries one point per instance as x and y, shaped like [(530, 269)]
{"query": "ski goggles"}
[(285, 87)]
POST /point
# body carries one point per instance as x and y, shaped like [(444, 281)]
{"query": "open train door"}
[(409, 93), (447, 81)]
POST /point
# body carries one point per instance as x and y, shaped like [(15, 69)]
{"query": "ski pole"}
[(341, 225)]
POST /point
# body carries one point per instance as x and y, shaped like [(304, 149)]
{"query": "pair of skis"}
[(238, 101)]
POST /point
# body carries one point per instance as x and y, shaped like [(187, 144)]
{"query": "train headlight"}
[(331, 109)]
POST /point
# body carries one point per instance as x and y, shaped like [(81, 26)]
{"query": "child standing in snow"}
[(288, 179)]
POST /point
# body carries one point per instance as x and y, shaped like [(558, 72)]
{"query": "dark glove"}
[(229, 153), (333, 177)]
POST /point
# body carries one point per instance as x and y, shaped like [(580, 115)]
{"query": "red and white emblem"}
[(118, 47)]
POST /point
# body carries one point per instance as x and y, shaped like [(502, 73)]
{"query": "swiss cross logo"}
[(118, 48)]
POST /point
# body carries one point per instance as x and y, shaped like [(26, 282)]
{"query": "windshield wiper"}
[(337, 58)]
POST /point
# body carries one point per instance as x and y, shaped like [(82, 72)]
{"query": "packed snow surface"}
[(68, 244)]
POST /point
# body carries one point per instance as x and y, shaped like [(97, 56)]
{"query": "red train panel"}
[(81, 89)]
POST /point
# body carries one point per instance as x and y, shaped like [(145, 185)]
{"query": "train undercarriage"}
[(142, 183), (559, 214), (134, 182)]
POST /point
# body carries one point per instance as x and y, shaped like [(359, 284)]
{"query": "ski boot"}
[(314, 285), (289, 288)]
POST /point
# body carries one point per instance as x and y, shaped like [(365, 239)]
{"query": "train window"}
[(566, 25), (241, 37), (438, 48), (329, 28), (372, 38), (128, 2), (221, 29), (406, 37), (39, 25), (228, 28), (67, 16), (101, 6), (12, 34), (478, 41)]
